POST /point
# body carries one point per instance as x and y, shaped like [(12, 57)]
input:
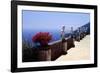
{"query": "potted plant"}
[(43, 38)]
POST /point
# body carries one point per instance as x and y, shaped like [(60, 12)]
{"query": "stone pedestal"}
[(65, 48)]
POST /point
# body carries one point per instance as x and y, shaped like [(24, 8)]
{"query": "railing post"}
[(64, 44), (65, 48), (48, 55)]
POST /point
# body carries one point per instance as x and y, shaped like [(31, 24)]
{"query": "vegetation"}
[(43, 38)]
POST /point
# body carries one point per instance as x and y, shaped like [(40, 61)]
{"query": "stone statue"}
[(63, 33)]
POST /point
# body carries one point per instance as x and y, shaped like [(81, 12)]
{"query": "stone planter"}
[(44, 54)]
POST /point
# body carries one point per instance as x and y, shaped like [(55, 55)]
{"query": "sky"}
[(40, 20)]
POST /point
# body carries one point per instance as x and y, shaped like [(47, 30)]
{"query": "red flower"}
[(42, 37)]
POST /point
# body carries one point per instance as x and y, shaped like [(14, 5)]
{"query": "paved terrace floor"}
[(81, 51)]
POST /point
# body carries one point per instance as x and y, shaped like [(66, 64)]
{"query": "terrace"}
[(54, 50)]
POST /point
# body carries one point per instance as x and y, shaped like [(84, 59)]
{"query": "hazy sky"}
[(40, 20)]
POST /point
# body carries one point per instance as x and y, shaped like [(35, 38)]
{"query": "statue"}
[(63, 33), (71, 32)]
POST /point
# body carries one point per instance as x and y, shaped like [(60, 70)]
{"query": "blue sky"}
[(40, 20)]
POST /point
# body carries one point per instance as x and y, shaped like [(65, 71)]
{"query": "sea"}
[(28, 34)]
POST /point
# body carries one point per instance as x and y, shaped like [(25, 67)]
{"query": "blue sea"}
[(28, 34)]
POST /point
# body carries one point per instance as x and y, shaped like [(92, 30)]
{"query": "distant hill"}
[(83, 29), (87, 26)]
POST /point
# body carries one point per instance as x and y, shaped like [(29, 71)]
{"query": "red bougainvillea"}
[(42, 37)]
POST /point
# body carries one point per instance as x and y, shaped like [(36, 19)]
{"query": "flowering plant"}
[(42, 37)]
